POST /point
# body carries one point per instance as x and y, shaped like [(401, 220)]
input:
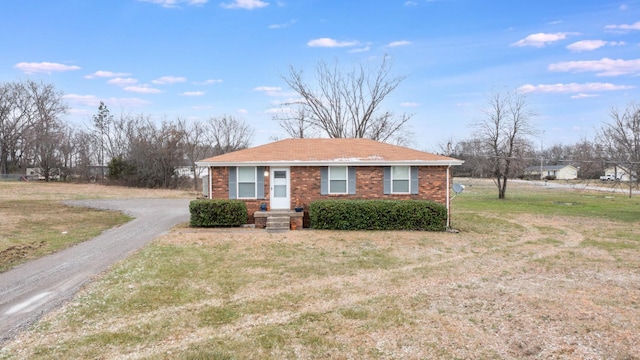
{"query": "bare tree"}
[(84, 150), (229, 134), (503, 130), (344, 104), (294, 120), (47, 128), (621, 138), (16, 108), (195, 145)]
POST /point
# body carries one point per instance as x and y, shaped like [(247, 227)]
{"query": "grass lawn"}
[(547, 273), (35, 223)]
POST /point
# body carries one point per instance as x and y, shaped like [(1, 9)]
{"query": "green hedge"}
[(210, 213), (378, 215)]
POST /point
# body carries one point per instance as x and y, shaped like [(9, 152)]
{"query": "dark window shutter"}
[(324, 180), (260, 182), (387, 180), (233, 188), (351, 170), (414, 180)]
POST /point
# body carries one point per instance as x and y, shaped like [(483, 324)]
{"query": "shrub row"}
[(378, 215), (210, 213)]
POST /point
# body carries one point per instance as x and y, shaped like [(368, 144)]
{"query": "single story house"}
[(620, 172), (561, 172), (294, 172)]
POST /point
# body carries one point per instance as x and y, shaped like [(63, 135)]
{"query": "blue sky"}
[(201, 58)]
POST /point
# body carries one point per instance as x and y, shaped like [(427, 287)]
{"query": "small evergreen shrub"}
[(212, 213), (378, 215)]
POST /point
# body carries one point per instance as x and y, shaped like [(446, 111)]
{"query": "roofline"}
[(332, 163)]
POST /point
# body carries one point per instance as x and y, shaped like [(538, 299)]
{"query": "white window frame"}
[(346, 180), (254, 182), (407, 179)]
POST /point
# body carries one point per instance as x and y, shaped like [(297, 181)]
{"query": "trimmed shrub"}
[(378, 215), (211, 213)]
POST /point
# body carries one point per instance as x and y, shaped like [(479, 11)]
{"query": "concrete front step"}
[(278, 223), (280, 220)]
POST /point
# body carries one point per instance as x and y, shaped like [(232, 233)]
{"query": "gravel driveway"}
[(29, 291)]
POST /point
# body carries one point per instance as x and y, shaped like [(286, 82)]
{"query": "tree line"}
[(135, 150), (503, 145), (129, 149)]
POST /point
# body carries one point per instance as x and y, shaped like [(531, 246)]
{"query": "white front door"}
[(280, 193)]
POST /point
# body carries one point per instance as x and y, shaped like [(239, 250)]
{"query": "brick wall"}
[(220, 190), (305, 186)]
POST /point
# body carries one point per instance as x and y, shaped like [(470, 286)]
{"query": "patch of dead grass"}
[(541, 290)]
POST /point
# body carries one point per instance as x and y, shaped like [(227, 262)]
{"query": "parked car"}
[(608, 178)]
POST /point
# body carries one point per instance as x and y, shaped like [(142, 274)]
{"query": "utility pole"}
[(541, 159)]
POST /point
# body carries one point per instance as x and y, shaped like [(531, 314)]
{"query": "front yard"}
[(545, 274)]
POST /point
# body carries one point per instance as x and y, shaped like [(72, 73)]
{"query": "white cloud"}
[(93, 101), (122, 81), (44, 67), (399, 43), (142, 89), (270, 90), (589, 45), (267, 88), (243, 111), (245, 4), (409, 104), (328, 42), (193, 93), (573, 88), (359, 50), (169, 80), (624, 27), (586, 45), (583, 96), (105, 74), (410, 3), (282, 26), (209, 82), (85, 100), (176, 3), (603, 67), (542, 39), (279, 110)]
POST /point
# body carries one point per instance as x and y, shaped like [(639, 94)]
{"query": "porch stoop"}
[(278, 223), (278, 220)]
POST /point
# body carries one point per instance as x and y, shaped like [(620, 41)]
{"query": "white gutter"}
[(337, 162), (210, 191), (448, 198)]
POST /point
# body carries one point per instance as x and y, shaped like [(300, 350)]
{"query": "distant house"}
[(560, 172), (38, 174), (293, 172), (619, 172), (187, 171)]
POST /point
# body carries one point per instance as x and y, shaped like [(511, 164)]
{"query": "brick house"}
[(294, 172)]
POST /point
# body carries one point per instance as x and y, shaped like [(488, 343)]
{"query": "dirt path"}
[(29, 291)]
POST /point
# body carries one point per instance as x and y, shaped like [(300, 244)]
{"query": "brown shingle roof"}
[(323, 151)]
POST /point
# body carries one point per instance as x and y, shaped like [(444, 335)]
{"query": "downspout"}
[(210, 184), (448, 197)]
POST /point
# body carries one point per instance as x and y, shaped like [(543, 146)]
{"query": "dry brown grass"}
[(525, 286), (34, 222), (35, 190)]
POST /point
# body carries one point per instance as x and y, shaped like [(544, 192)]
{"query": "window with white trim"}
[(400, 179), (337, 179), (247, 182)]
